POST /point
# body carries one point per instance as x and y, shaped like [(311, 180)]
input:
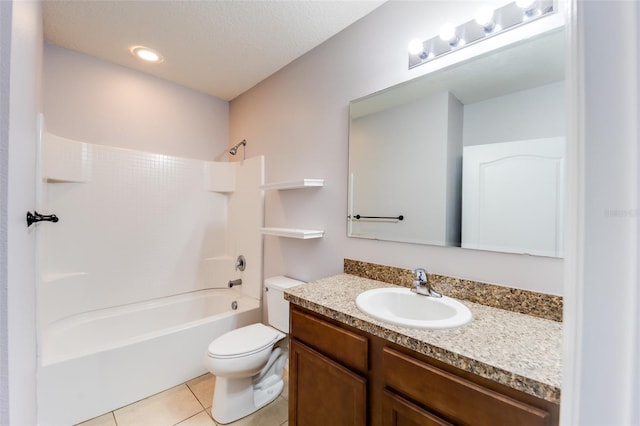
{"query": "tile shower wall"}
[(133, 226)]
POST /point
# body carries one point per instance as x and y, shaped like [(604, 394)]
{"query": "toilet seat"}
[(244, 341)]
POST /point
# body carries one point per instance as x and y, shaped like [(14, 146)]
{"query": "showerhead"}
[(234, 150)]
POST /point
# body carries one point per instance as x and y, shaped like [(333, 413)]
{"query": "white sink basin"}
[(401, 306)]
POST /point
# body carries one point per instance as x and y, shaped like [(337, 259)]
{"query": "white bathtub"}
[(102, 360)]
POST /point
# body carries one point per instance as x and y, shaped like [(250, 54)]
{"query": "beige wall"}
[(298, 119), (93, 101)]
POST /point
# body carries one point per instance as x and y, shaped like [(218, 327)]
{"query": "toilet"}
[(246, 361)]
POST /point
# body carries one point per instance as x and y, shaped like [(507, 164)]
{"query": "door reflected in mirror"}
[(469, 156)]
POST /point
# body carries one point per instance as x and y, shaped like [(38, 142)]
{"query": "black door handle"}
[(37, 217)]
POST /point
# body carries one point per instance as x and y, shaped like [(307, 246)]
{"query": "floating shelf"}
[(303, 234), (296, 184)]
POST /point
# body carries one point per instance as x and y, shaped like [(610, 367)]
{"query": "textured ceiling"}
[(221, 48)]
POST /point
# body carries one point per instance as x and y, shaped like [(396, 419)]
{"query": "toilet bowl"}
[(248, 362)]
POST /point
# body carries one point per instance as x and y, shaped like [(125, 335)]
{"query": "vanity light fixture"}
[(487, 23), (146, 54)]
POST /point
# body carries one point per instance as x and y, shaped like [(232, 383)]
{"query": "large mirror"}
[(471, 155)]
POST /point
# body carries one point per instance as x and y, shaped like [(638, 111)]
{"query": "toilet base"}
[(234, 398), (262, 397), (238, 398)]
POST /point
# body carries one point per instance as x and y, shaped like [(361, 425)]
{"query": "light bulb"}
[(484, 16), (525, 4), (146, 54), (416, 47), (448, 32), (529, 8)]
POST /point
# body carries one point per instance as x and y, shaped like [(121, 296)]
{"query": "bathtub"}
[(98, 361)]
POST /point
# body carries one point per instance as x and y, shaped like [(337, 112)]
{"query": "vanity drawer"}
[(454, 398), (350, 349), (397, 411)]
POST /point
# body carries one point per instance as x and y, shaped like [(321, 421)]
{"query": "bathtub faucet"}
[(235, 282)]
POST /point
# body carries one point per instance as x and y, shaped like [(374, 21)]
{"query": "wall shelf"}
[(303, 234), (296, 184)]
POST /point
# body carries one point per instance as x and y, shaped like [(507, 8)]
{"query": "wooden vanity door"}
[(333, 395)]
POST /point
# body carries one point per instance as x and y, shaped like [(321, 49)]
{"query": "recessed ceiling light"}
[(146, 54)]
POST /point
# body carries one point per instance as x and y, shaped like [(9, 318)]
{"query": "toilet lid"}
[(245, 340)]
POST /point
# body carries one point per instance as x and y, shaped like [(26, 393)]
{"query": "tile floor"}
[(189, 404)]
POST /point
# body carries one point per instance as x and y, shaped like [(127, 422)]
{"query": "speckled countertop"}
[(516, 350)]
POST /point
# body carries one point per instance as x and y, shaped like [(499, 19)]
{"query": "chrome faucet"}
[(421, 284), (235, 282)]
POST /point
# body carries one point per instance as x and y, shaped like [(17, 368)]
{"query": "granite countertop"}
[(516, 350)]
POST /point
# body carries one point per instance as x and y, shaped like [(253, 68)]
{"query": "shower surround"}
[(142, 238)]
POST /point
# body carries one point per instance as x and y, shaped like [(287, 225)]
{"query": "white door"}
[(24, 59), (512, 196)]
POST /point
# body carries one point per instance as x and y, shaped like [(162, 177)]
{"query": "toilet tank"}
[(277, 307)]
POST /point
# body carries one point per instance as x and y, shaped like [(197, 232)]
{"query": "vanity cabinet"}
[(343, 376)]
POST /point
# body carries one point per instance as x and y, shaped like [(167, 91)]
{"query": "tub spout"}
[(235, 282)]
